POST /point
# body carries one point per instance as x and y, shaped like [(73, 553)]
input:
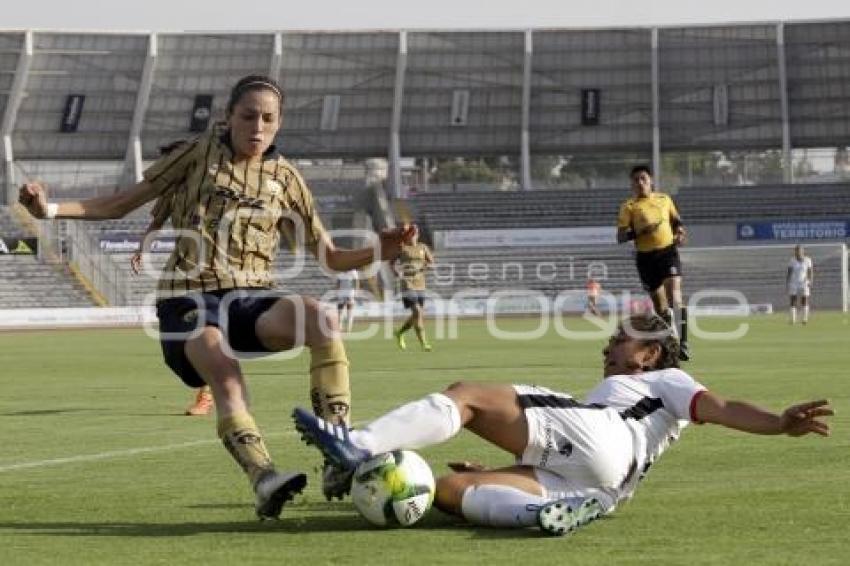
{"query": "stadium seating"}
[(598, 207), (309, 280), (27, 282), (8, 224), (549, 270)]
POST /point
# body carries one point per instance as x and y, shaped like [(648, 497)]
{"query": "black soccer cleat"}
[(684, 352), (274, 489), (336, 482)]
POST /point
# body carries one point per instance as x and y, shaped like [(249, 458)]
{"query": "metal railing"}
[(82, 250)]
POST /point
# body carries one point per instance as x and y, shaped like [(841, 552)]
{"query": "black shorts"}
[(657, 265), (410, 298), (185, 314)]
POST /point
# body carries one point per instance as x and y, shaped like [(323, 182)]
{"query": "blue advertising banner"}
[(794, 230)]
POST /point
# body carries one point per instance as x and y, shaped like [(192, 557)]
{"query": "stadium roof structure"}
[(119, 96)]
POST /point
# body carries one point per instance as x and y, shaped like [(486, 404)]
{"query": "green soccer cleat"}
[(399, 339)]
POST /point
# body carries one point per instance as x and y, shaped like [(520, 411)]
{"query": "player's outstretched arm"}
[(34, 198), (624, 235), (797, 420), (339, 259)]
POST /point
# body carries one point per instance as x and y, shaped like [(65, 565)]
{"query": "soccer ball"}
[(393, 489)]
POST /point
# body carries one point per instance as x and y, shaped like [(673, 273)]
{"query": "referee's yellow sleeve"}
[(674, 212), (624, 217)]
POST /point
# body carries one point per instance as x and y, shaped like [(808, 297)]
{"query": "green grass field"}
[(99, 467)]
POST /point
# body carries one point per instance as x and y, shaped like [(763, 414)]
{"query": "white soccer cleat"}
[(566, 515)]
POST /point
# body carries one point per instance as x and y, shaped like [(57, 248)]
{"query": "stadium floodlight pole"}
[(787, 173), (525, 150), (395, 126), (656, 129), (10, 116), (133, 158)]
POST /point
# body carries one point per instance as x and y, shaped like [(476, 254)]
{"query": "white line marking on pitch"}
[(114, 454), (101, 456)]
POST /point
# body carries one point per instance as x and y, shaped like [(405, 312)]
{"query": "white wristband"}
[(52, 210)]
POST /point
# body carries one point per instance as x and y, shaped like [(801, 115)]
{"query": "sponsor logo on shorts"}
[(553, 442)]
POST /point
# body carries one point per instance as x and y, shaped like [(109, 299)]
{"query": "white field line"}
[(115, 454)]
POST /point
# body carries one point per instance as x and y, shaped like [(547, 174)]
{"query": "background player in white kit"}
[(799, 279), (347, 285), (574, 460)]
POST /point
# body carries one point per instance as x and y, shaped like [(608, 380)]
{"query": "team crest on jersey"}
[(274, 187)]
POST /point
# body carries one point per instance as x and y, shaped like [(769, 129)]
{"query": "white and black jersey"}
[(607, 442), (798, 281), (655, 405)]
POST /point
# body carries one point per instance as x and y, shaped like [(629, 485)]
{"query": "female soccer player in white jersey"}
[(799, 279), (575, 459)]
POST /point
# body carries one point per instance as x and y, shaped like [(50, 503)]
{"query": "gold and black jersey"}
[(161, 211), (413, 262), (638, 213), (228, 216)]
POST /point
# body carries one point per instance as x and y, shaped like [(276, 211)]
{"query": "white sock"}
[(793, 315), (806, 313), (500, 506), (430, 420), (350, 320), (674, 317)]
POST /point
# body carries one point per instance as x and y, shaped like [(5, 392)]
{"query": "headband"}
[(262, 83)]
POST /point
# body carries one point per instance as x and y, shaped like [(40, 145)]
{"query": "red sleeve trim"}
[(693, 406)]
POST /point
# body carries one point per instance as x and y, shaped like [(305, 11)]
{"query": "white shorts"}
[(582, 447), (799, 289)]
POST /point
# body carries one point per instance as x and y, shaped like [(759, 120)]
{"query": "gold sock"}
[(420, 334), (330, 391), (243, 440)]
